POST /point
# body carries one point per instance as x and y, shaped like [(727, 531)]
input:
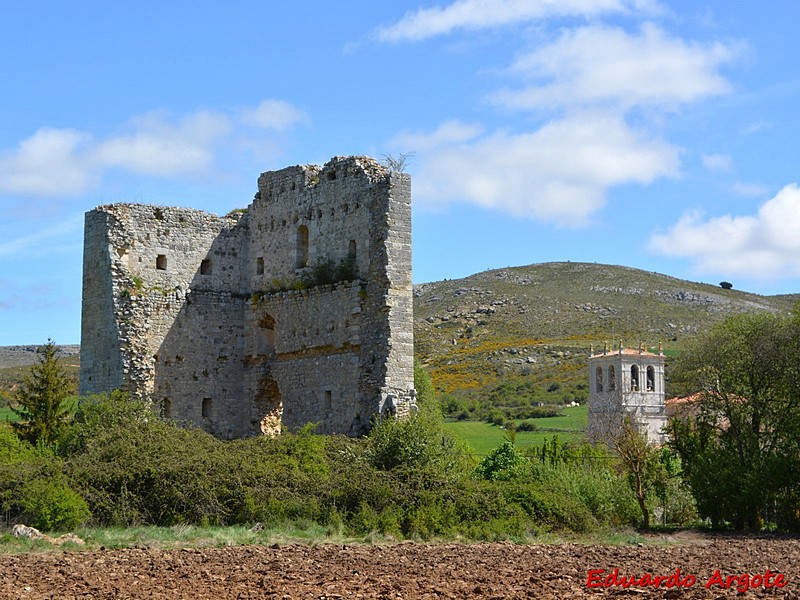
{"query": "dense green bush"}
[(504, 462), (33, 488), (594, 489), (122, 465), (419, 442), (51, 505)]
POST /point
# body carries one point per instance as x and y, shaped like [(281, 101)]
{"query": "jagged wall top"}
[(309, 176), (196, 311)]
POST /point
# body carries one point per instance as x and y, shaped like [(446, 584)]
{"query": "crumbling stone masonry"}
[(207, 317)]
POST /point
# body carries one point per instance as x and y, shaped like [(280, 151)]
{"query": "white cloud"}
[(274, 114), (760, 246), (749, 189), (591, 76), (716, 162), (478, 14), (49, 163), (66, 162), (559, 173), (596, 65), (450, 132), (159, 147)]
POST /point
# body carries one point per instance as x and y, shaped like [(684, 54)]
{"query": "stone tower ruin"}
[(295, 310), (626, 383)]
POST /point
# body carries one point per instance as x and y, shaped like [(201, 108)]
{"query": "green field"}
[(575, 418), (482, 437), (6, 414)]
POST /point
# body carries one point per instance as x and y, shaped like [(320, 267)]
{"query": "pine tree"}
[(42, 401)]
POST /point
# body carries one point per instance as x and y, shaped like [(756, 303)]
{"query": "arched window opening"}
[(651, 379), (612, 378), (301, 256), (634, 378), (351, 249), (599, 379), (206, 408)]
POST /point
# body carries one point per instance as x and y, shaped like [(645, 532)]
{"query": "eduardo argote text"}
[(600, 578)]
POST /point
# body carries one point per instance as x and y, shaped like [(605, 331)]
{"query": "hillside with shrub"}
[(513, 339)]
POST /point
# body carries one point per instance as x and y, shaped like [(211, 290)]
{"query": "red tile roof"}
[(625, 352)]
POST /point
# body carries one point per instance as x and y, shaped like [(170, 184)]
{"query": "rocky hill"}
[(25, 356), (533, 326)]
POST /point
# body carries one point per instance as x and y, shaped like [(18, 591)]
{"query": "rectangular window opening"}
[(205, 266), (161, 262), (260, 265)]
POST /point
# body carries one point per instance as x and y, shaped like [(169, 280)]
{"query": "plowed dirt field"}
[(410, 570)]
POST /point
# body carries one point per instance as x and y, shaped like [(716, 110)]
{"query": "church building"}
[(626, 383)]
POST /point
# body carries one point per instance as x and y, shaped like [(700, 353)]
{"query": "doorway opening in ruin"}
[(269, 406)]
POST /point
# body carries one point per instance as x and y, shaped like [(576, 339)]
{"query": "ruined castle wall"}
[(155, 255), (101, 360), (222, 320), (197, 368), (329, 203), (312, 353), (398, 336), (346, 354)]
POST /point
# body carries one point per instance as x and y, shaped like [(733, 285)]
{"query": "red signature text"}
[(599, 578)]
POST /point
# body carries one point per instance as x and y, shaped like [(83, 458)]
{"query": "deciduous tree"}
[(740, 449), (641, 464)]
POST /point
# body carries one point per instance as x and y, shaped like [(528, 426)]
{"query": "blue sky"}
[(660, 135)]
